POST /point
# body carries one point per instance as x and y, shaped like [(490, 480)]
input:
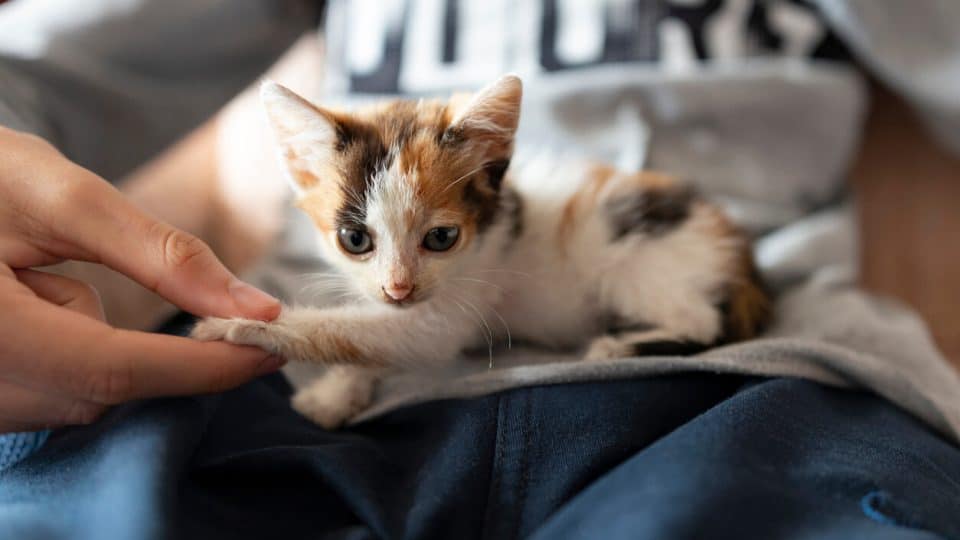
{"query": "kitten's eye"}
[(355, 241), (441, 238)]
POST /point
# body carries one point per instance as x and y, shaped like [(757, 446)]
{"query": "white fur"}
[(493, 109), (305, 138)]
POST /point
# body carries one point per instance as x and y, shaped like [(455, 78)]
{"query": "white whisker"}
[(450, 185), (481, 281), (503, 270), (503, 322), (506, 327), (464, 310), (486, 326)]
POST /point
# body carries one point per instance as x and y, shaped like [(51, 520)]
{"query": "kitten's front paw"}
[(237, 331), (607, 348), (210, 329)]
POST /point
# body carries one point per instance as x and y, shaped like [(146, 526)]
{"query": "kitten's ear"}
[(306, 134), (491, 116)]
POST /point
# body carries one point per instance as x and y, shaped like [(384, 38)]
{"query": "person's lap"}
[(687, 456)]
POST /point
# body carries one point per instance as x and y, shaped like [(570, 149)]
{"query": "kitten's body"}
[(562, 254)]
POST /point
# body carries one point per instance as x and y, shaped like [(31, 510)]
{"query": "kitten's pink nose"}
[(398, 291)]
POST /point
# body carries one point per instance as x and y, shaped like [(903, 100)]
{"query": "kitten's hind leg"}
[(654, 342), (337, 396)]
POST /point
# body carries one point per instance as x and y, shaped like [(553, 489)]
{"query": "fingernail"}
[(270, 364), (254, 302)]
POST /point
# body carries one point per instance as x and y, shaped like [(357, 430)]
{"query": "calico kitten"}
[(445, 247)]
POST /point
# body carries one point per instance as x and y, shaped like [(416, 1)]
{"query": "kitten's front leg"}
[(348, 335), (297, 335)]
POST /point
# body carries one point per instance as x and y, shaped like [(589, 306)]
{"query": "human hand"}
[(60, 363)]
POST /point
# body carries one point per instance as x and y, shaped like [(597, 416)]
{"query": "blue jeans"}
[(686, 456)]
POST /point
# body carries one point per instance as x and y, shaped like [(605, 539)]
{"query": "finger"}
[(140, 365), (168, 261), (91, 361), (44, 411), (9, 426), (62, 291)]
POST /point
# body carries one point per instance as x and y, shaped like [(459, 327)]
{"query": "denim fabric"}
[(684, 456), (17, 446)]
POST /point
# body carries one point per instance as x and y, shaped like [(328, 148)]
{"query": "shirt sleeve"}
[(112, 82), (914, 47)]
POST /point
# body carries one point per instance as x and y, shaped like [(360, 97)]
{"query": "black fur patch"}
[(362, 154), (512, 205), (489, 202), (495, 171), (351, 216), (451, 136), (616, 325), (483, 201), (653, 212)]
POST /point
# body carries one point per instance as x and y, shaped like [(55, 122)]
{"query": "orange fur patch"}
[(305, 179), (321, 203), (748, 308), (345, 350), (584, 200)]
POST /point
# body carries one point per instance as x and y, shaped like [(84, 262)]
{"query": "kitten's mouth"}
[(406, 302)]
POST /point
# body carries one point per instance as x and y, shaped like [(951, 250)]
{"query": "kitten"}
[(444, 246)]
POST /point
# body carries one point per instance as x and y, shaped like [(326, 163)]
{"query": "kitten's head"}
[(401, 193)]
